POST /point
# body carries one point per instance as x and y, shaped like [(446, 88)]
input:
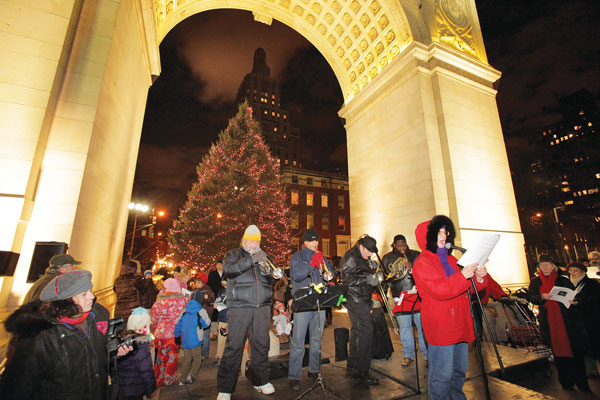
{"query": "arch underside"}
[(358, 38)]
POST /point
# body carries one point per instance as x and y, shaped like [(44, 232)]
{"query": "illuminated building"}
[(319, 200), (572, 163), (262, 93)]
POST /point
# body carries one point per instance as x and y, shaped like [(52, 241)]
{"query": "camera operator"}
[(55, 351)]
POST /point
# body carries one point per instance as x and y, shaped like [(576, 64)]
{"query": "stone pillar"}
[(424, 138), (72, 120)]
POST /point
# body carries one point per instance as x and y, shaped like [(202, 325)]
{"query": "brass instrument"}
[(271, 269), (399, 268), (325, 272), (380, 274)]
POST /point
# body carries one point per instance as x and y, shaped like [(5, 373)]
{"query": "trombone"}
[(271, 269), (381, 275)]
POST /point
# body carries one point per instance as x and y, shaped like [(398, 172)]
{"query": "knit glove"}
[(259, 256), (372, 280)]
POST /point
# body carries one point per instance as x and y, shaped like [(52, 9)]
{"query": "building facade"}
[(262, 94), (571, 166), (319, 200)]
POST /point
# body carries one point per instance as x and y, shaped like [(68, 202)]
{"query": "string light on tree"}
[(238, 185)]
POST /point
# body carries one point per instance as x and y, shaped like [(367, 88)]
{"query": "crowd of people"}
[(60, 333)]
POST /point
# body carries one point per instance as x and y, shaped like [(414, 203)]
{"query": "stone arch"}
[(358, 38)]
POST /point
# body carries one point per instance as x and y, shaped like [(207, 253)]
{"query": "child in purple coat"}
[(136, 372)]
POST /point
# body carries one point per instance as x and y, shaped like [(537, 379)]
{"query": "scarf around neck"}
[(558, 332), (442, 253)]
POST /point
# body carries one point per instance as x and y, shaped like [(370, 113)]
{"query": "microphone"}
[(451, 246)]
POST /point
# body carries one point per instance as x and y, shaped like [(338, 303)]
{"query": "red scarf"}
[(558, 333), (74, 321)]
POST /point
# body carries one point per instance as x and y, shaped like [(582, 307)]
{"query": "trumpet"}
[(325, 272), (271, 269)]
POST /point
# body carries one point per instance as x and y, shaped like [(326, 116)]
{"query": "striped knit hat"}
[(252, 233)]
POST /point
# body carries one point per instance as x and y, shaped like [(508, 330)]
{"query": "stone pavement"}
[(523, 370)]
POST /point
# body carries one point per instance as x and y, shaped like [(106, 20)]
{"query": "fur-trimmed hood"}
[(27, 320), (426, 233)]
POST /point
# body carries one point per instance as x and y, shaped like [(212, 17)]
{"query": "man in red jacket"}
[(445, 312)]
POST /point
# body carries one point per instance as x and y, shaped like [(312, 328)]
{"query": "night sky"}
[(544, 49)]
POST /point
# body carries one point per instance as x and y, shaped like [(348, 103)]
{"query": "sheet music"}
[(563, 295), (480, 251)]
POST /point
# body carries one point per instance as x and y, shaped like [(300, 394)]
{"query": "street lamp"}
[(136, 207)]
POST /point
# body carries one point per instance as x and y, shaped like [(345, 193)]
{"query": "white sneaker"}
[(224, 396), (267, 388)]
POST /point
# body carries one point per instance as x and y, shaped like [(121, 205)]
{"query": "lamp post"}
[(135, 207)]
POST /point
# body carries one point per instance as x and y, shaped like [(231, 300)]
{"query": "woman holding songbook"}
[(562, 329)]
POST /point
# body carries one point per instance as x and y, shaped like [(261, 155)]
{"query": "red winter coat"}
[(445, 312)]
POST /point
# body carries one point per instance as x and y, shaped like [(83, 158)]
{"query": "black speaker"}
[(8, 263), (42, 254)]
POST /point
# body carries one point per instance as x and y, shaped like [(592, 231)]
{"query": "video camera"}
[(116, 326)]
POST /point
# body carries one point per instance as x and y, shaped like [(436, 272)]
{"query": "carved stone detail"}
[(454, 25)]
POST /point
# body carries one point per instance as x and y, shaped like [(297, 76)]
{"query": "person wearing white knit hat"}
[(249, 298)]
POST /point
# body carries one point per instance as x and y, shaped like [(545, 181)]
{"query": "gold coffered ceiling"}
[(358, 38)]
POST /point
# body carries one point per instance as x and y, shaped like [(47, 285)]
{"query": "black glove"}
[(259, 256), (505, 300), (372, 280)]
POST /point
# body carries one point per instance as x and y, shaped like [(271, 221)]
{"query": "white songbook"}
[(479, 251)]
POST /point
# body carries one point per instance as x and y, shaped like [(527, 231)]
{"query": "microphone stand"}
[(477, 338)]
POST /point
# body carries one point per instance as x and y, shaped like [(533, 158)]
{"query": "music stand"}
[(310, 299)]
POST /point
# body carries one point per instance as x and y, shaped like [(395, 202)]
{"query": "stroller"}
[(523, 329)]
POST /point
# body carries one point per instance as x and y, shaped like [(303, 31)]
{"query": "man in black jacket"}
[(249, 298), (358, 275)]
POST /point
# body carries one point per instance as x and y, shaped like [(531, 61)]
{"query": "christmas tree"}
[(238, 185)]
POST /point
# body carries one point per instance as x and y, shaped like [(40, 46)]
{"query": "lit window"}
[(569, 202), (272, 113), (295, 220), (272, 102), (340, 202), (590, 123), (265, 112), (284, 116), (325, 244), (310, 220), (294, 163), (598, 175), (275, 129), (342, 223), (279, 160), (325, 222), (272, 96), (309, 198), (294, 197), (592, 191), (566, 189), (286, 162), (278, 115), (324, 200)]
